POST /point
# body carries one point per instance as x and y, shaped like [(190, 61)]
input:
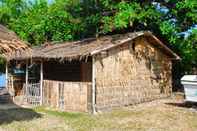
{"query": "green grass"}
[(66, 115), (79, 121)]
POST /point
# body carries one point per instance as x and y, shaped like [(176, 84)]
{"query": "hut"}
[(10, 45), (98, 74)]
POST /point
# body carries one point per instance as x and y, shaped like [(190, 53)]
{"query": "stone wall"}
[(67, 96), (131, 73)]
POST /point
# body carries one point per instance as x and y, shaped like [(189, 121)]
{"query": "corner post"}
[(93, 86), (41, 83), (6, 75), (26, 78)]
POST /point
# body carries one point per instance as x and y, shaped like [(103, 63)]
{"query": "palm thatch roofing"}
[(79, 50), (11, 44)]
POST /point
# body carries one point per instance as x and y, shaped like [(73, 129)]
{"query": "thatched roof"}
[(10, 44), (82, 49)]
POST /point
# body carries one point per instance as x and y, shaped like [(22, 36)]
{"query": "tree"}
[(10, 9), (63, 20)]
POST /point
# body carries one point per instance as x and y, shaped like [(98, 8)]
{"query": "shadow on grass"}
[(10, 115), (10, 112), (184, 104)]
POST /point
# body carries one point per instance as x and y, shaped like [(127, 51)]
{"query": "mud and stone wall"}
[(131, 73)]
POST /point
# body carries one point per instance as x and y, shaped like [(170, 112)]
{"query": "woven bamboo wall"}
[(75, 95), (132, 74)]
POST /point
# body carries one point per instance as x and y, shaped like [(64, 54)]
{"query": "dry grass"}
[(160, 115)]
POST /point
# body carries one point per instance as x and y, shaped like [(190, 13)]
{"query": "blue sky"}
[(50, 1)]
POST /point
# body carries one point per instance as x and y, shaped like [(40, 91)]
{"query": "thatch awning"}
[(10, 44), (88, 47)]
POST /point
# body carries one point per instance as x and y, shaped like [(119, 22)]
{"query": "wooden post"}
[(6, 75), (41, 82), (93, 86), (26, 78)]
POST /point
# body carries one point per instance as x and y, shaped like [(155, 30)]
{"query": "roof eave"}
[(112, 46), (146, 33), (174, 55)]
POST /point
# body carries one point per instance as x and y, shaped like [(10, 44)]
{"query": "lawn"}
[(161, 115)]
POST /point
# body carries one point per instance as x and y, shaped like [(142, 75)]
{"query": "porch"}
[(64, 86)]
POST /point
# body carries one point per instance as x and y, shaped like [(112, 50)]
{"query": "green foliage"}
[(11, 9), (189, 49), (63, 20), (169, 30), (43, 22)]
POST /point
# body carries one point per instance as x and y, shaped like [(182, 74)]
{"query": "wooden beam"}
[(93, 87), (41, 83)]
